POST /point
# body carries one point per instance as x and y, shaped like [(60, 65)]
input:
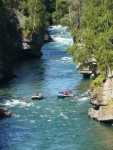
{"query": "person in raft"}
[(38, 94), (66, 92)]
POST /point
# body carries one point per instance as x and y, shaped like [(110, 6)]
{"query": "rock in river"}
[(5, 113)]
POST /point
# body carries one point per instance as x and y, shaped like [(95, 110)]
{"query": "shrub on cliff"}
[(98, 80)]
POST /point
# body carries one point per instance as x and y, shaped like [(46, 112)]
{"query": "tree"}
[(61, 10), (50, 8), (37, 14), (95, 33), (67, 12)]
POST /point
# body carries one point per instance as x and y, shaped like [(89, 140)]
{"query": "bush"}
[(99, 79)]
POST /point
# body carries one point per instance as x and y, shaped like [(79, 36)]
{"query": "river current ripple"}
[(52, 123)]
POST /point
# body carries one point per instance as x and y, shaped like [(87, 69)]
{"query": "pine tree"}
[(61, 10), (37, 14), (95, 35)]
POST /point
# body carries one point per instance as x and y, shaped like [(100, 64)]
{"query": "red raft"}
[(65, 93)]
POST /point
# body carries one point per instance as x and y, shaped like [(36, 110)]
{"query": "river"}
[(51, 123)]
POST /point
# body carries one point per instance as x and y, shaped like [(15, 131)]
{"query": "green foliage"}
[(24, 8), (11, 3), (95, 33), (37, 13), (56, 17), (26, 27), (50, 5), (61, 10), (110, 102), (50, 8), (72, 50), (99, 79), (65, 21)]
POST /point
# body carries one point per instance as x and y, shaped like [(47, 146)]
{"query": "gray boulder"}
[(5, 113)]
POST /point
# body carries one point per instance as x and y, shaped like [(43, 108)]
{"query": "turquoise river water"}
[(51, 123)]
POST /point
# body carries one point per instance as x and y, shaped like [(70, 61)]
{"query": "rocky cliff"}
[(10, 42), (88, 68), (102, 99), (101, 91), (13, 45), (32, 43)]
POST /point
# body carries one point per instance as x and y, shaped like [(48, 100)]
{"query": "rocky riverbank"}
[(101, 91), (102, 100), (88, 68)]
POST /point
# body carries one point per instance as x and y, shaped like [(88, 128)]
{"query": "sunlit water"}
[(51, 123)]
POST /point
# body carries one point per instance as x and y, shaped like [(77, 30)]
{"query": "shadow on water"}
[(101, 135), (27, 73), (83, 86), (33, 70)]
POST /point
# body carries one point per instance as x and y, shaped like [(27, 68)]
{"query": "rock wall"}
[(102, 100), (10, 42), (104, 113), (31, 44), (101, 95), (88, 68), (13, 46), (108, 89)]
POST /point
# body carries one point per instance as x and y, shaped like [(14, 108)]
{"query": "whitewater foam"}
[(65, 59), (15, 102), (63, 40), (64, 116), (57, 27)]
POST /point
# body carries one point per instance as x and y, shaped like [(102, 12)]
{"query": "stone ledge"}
[(104, 113)]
